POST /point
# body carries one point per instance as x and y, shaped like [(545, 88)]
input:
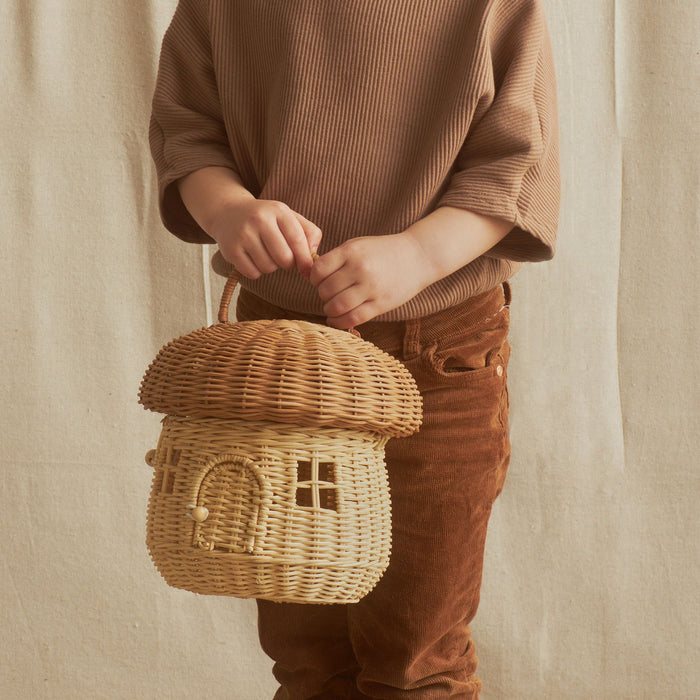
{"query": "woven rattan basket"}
[(269, 477)]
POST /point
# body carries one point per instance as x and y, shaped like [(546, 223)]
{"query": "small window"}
[(172, 457), (316, 485)]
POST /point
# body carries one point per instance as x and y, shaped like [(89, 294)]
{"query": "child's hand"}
[(369, 276), (258, 236)]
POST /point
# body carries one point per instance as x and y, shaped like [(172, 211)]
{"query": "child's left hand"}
[(366, 277)]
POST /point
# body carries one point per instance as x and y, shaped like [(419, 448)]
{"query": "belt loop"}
[(411, 339)]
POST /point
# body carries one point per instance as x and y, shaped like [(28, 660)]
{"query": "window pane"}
[(327, 499), (326, 472), (303, 471), (304, 496)]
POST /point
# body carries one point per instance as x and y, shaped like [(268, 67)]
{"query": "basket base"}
[(320, 583)]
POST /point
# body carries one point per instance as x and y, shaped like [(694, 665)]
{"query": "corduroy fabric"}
[(410, 637), (365, 117)]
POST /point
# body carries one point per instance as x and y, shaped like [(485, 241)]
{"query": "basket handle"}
[(227, 295)]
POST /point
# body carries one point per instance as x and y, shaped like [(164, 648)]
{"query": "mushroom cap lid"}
[(285, 371)]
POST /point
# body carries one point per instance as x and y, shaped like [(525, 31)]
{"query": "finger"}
[(326, 265), (256, 250), (334, 284), (344, 302), (296, 242), (312, 232), (236, 257), (277, 248), (244, 264), (359, 315)]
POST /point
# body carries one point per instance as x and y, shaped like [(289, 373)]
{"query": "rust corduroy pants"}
[(410, 637)]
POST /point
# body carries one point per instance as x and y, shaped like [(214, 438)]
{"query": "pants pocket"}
[(480, 351)]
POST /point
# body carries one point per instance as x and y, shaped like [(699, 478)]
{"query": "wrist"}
[(210, 192), (427, 262), (420, 257), (222, 208), (451, 238)]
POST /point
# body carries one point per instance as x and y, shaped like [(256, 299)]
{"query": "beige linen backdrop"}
[(591, 581)]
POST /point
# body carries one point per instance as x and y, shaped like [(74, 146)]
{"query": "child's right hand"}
[(259, 236), (254, 235)]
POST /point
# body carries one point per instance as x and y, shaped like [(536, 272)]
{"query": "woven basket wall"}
[(269, 477)]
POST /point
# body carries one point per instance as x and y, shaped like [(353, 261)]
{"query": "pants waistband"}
[(410, 335)]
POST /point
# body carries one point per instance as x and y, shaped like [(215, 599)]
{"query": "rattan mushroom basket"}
[(269, 476)]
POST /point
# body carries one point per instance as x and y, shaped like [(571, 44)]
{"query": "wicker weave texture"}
[(280, 512), (287, 371)]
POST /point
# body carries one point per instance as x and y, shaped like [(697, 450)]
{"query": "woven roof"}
[(285, 371)]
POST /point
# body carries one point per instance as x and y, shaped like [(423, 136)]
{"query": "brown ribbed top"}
[(365, 116)]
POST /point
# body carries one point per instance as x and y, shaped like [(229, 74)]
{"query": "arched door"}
[(233, 491)]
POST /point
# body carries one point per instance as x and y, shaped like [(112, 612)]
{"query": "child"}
[(414, 145)]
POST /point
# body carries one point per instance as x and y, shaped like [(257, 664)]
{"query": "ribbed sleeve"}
[(508, 166), (187, 130)]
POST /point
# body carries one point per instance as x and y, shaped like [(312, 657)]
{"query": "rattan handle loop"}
[(227, 295)]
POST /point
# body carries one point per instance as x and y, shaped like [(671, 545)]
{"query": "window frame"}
[(315, 486)]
